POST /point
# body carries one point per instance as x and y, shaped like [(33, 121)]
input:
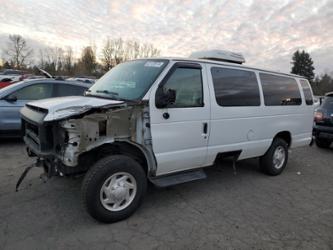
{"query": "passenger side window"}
[(34, 92), (280, 90), (307, 92), (68, 90), (187, 82), (235, 87)]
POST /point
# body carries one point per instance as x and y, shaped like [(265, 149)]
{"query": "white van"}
[(163, 120)]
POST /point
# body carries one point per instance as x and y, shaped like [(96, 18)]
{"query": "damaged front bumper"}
[(38, 163)]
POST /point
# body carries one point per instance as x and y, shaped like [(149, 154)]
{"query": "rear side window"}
[(69, 90), (307, 92), (280, 90), (34, 92), (234, 87)]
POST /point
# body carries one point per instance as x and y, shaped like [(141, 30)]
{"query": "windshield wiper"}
[(107, 92), (114, 94)]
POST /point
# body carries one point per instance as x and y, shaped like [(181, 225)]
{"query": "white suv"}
[(163, 120)]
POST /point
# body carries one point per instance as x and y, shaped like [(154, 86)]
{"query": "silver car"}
[(15, 96)]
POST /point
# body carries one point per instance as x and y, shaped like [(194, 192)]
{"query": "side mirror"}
[(162, 99), (11, 98)]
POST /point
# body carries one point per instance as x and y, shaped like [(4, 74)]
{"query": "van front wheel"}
[(275, 159), (113, 188)]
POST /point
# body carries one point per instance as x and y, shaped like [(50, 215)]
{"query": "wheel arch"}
[(138, 152), (286, 136)]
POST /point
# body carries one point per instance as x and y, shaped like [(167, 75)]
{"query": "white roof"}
[(219, 55)]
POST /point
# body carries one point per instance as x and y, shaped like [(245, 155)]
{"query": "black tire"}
[(267, 160), (96, 177), (323, 143)]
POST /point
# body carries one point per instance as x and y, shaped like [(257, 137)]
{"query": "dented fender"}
[(65, 107)]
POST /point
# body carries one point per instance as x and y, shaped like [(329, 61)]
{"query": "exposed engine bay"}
[(66, 138)]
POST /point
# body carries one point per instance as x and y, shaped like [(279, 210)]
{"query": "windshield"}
[(130, 80)]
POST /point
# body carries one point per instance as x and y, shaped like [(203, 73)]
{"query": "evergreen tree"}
[(322, 84), (6, 65), (303, 65)]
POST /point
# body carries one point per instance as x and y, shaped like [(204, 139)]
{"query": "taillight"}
[(318, 116)]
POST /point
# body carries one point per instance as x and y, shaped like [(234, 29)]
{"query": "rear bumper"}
[(324, 132)]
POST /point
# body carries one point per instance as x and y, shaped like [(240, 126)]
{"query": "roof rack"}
[(219, 55)]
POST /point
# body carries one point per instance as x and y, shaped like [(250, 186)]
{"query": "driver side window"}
[(33, 92), (187, 83)]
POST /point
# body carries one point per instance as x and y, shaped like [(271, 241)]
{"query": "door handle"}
[(205, 127)]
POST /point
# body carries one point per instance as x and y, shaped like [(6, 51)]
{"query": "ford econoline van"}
[(163, 120)]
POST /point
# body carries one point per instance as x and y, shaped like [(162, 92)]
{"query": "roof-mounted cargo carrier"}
[(219, 55)]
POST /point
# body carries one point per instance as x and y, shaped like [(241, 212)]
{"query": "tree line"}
[(62, 61)]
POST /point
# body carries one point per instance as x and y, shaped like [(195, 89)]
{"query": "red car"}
[(5, 82)]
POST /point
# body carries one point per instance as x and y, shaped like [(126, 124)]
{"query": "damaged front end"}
[(67, 139)]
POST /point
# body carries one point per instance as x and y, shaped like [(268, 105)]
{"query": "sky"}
[(266, 32)]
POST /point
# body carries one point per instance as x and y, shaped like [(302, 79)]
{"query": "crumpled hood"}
[(63, 107)]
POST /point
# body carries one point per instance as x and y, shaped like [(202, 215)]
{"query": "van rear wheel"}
[(275, 159), (113, 188)]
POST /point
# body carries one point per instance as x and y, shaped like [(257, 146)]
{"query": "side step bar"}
[(178, 178)]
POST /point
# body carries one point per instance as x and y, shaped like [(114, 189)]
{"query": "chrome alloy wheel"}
[(279, 157), (118, 191)]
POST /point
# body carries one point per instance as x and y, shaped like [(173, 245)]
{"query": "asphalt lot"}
[(244, 211)]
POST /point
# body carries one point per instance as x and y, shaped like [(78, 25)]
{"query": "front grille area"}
[(40, 138), (37, 134), (32, 128)]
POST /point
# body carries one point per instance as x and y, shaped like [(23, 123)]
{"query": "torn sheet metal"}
[(64, 107)]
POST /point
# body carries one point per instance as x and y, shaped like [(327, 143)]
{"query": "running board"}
[(178, 178)]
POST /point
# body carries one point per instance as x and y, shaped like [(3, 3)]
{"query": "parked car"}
[(4, 82), (15, 96), (12, 78), (323, 124), (11, 72), (82, 79), (163, 120)]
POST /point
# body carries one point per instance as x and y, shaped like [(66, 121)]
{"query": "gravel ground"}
[(248, 210)]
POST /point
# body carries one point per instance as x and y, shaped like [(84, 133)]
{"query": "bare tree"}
[(18, 51), (52, 59), (41, 59), (107, 54), (59, 52), (148, 50), (117, 50), (68, 61), (132, 50)]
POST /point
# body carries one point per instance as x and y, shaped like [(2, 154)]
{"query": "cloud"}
[(267, 32)]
